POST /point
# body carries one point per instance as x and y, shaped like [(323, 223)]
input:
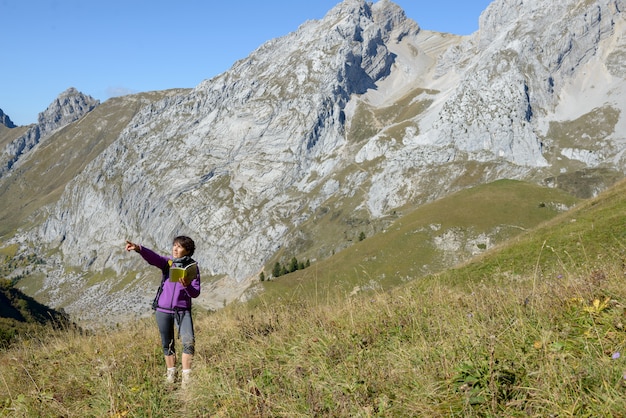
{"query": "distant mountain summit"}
[(317, 136), (5, 120), (69, 106)]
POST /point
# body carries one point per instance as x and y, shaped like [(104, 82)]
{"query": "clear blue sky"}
[(107, 48)]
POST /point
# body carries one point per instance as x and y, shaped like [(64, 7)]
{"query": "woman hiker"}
[(173, 303)]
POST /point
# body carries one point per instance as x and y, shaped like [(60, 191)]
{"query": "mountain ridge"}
[(350, 118)]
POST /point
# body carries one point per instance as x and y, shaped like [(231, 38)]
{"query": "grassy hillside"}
[(534, 327), (23, 315), (432, 238), (9, 134)]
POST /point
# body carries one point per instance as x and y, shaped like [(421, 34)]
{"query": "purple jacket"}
[(174, 295)]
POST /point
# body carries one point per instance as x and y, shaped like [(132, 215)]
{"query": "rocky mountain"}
[(317, 136), (6, 120), (70, 106)]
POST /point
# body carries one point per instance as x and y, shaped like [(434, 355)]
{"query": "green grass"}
[(406, 248), (368, 120), (532, 328)]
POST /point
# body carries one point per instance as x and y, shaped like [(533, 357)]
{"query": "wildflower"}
[(616, 355), (598, 306)]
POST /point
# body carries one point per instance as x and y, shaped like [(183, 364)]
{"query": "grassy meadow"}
[(531, 328)]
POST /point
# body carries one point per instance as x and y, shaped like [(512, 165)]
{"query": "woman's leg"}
[(187, 336), (165, 322), (186, 361), (170, 361), (188, 339)]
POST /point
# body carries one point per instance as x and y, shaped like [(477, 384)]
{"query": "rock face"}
[(233, 161), (351, 116)]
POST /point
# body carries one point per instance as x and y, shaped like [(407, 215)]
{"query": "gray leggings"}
[(166, 321)]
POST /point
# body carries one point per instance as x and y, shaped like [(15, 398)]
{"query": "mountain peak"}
[(6, 120), (68, 107)]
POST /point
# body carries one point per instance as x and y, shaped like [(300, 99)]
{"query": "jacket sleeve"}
[(153, 258), (193, 290)]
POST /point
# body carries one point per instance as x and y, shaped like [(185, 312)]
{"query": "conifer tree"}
[(276, 272), (293, 266)]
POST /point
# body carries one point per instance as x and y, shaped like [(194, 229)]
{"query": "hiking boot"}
[(171, 376), (186, 379)]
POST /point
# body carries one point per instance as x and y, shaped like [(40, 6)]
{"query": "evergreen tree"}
[(293, 266), (277, 271)]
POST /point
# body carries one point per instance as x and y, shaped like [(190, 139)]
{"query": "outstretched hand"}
[(131, 246)]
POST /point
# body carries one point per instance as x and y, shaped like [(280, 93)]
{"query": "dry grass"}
[(437, 347)]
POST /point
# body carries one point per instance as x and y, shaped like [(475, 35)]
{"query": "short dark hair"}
[(187, 243)]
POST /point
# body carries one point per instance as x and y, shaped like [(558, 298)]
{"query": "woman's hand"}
[(130, 246), (185, 281)]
